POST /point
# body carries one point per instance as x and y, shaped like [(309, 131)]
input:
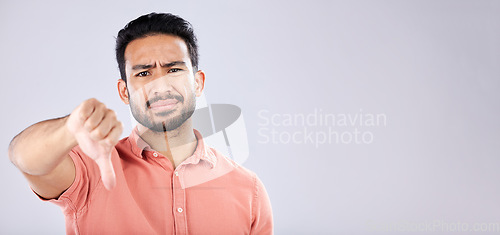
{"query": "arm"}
[(41, 151), (261, 210)]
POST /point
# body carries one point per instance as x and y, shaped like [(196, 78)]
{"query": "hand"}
[(97, 131)]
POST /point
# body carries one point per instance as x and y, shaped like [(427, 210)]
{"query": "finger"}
[(114, 135), (107, 172), (104, 128), (86, 109), (96, 117)]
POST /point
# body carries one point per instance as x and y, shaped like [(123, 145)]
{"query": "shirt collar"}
[(202, 151)]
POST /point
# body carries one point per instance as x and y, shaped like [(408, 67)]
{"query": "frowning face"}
[(161, 85)]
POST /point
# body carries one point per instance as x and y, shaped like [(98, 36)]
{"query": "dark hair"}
[(152, 24)]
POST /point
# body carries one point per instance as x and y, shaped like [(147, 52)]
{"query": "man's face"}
[(161, 85)]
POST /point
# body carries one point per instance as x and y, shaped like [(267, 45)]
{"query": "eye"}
[(142, 74), (174, 70)]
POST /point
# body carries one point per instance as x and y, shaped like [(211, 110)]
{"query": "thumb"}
[(107, 172)]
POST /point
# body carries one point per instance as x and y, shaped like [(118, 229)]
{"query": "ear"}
[(199, 82), (122, 91)]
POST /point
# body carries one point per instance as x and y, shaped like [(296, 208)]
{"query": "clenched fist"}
[(97, 131)]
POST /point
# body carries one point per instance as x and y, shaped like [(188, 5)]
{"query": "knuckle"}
[(99, 134), (91, 101), (90, 123), (111, 113), (119, 126), (100, 106), (81, 114), (87, 106), (83, 107)]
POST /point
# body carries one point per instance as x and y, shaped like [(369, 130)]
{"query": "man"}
[(162, 179)]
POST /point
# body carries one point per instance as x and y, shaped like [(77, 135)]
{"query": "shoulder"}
[(125, 148), (238, 171), (122, 149), (124, 144)]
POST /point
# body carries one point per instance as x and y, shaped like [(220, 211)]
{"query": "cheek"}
[(137, 96), (185, 88)]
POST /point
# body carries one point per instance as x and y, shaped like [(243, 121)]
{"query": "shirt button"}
[(155, 154), (176, 173), (179, 210)]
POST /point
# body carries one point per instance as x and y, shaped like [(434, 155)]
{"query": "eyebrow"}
[(167, 65)]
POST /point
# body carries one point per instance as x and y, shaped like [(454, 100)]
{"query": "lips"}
[(164, 104)]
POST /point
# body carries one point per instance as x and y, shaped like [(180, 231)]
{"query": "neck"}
[(176, 145)]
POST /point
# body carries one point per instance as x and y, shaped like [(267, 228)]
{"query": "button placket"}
[(179, 196), (161, 161)]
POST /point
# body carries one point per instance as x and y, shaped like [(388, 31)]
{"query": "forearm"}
[(41, 147)]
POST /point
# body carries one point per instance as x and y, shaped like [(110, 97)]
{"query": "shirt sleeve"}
[(261, 210), (87, 178)]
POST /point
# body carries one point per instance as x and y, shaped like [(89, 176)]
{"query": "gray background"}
[(432, 67)]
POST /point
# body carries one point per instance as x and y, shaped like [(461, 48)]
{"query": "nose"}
[(160, 84)]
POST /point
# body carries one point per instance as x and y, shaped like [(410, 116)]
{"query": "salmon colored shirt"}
[(206, 194)]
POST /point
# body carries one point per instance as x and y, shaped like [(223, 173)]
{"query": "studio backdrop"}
[(360, 117)]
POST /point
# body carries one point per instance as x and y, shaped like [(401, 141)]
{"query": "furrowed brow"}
[(174, 63), (142, 66), (167, 65)]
